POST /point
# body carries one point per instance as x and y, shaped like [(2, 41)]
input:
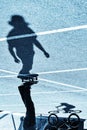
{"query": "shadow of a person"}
[(24, 47), (67, 107)]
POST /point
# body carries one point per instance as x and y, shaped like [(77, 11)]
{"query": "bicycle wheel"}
[(75, 111), (53, 119), (74, 120)]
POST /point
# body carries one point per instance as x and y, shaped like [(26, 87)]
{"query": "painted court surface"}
[(61, 28)]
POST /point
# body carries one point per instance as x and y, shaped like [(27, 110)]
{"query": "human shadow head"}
[(17, 20), (24, 46)]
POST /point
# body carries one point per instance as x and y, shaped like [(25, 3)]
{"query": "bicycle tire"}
[(74, 122), (74, 111), (55, 121)]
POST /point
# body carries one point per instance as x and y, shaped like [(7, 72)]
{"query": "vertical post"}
[(13, 121)]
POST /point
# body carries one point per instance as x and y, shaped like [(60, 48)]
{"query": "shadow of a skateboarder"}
[(22, 48)]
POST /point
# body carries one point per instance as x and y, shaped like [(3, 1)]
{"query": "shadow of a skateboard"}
[(33, 78)]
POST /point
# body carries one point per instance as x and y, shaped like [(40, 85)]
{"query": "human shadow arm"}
[(11, 50), (38, 45)]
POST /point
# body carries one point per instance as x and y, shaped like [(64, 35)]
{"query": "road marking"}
[(51, 81), (8, 94), (13, 113), (6, 71), (40, 73), (49, 92), (8, 76), (62, 84), (59, 91), (44, 104), (46, 32), (62, 71)]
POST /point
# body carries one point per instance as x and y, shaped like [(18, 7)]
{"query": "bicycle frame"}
[(64, 124), (62, 110)]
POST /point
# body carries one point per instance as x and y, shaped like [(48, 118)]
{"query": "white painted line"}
[(46, 32), (8, 76), (62, 71), (59, 91), (41, 73), (6, 71), (62, 30), (8, 94), (21, 105), (62, 84), (49, 92), (54, 82), (14, 113), (3, 39), (10, 105)]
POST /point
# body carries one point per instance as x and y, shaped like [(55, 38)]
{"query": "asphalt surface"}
[(61, 28)]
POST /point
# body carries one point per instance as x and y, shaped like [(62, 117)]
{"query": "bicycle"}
[(69, 111), (71, 122)]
